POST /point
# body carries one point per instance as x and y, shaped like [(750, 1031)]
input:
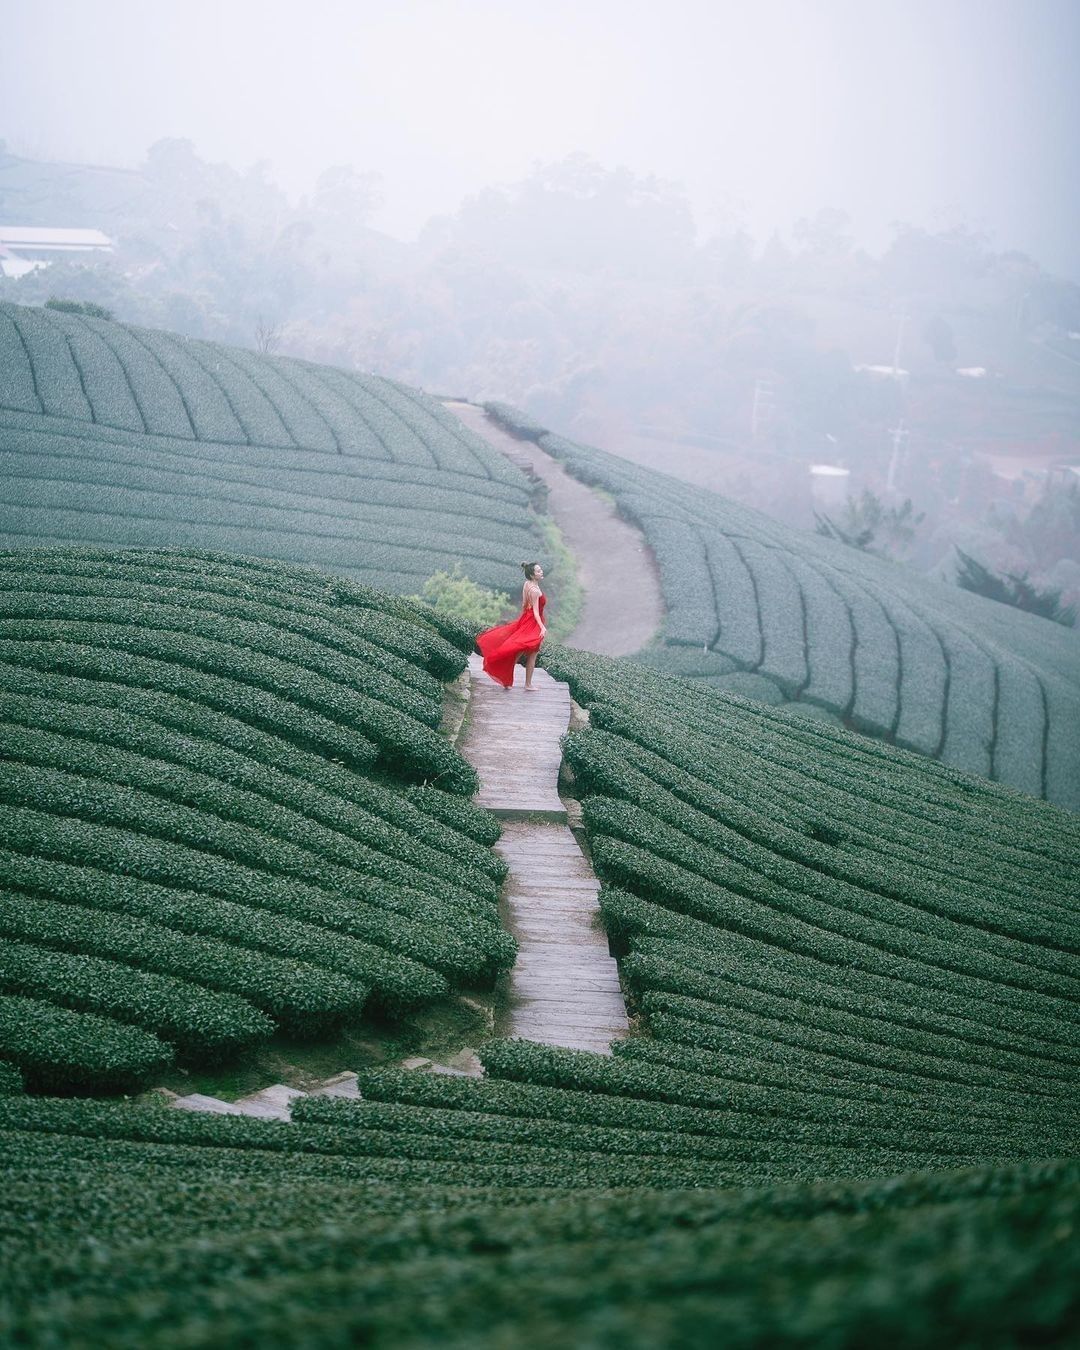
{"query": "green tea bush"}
[(211, 830), (892, 654), (200, 1022), (57, 1049), (112, 434)]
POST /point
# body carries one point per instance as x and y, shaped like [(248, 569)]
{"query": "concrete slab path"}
[(564, 987)]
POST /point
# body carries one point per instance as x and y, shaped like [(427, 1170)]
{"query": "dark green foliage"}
[(224, 1230), (847, 1115), (455, 812), (11, 1080), (1012, 589), (821, 934), (207, 832), (85, 307), (60, 1050), (303, 997), (888, 652), (200, 1022)]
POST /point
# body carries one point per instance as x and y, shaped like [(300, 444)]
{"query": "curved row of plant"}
[(476, 1225), (828, 922), (124, 436), (227, 808), (848, 1114), (771, 613)]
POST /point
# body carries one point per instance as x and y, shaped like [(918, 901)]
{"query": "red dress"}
[(502, 646)]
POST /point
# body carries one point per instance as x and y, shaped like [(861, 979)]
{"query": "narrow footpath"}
[(564, 988), (623, 606)]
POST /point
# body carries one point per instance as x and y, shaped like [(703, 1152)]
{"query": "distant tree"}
[(344, 192), (85, 307), (775, 260), (826, 235), (867, 520), (939, 334), (576, 215), (1051, 529), (267, 335), (918, 262), (1014, 589)]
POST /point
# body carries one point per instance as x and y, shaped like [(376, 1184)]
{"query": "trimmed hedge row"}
[(56, 1049), (303, 997), (211, 740), (189, 805), (405, 745), (200, 1022), (196, 789), (481, 1128), (395, 980), (895, 655), (131, 436), (819, 931), (780, 1113)]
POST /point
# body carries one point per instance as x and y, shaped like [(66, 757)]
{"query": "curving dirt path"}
[(623, 606)]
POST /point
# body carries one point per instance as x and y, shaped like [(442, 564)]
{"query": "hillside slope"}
[(227, 809), (111, 434), (848, 1115), (778, 614)]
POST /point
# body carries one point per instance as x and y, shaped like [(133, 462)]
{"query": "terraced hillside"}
[(111, 434), (780, 615), (227, 809), (848, 1116)]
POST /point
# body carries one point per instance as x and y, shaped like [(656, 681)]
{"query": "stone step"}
[(340, 1085), (564, 987), (270, 1103), (198, 1101)]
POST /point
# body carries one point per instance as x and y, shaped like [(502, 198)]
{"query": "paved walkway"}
[(564, 988), (623, 606)]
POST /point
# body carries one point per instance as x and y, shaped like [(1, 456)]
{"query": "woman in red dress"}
[(502, 646)]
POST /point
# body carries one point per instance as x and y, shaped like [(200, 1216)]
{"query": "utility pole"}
[(764, 405), (899, 434), (899, 338)]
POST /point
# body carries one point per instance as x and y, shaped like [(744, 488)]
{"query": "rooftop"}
[(37, 236)]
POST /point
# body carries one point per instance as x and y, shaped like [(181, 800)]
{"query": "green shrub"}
[(57, 1049), (453, 594), (302, 997), (198, 1021)]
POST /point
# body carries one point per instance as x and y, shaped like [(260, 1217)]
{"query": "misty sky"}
[(935, 112)]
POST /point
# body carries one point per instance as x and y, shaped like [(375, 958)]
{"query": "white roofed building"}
[(24, 248)]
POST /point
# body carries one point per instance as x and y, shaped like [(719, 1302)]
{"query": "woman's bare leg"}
[(530, 666)]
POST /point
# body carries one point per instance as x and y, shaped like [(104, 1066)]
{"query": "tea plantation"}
[(121, 436), (227, 809), (848, 1115), (779, 615)]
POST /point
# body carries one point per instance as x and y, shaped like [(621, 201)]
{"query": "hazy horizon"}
[(962, 114)]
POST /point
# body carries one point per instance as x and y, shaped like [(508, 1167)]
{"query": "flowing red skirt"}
[(502, 646)]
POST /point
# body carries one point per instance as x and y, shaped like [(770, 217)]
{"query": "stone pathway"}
[(269, 1103), (564, 988), (623, 606)]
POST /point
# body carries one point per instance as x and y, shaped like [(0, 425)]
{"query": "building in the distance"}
[(24, 248)]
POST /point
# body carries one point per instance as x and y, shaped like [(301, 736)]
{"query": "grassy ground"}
[(569, 594), (437, 1031)]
